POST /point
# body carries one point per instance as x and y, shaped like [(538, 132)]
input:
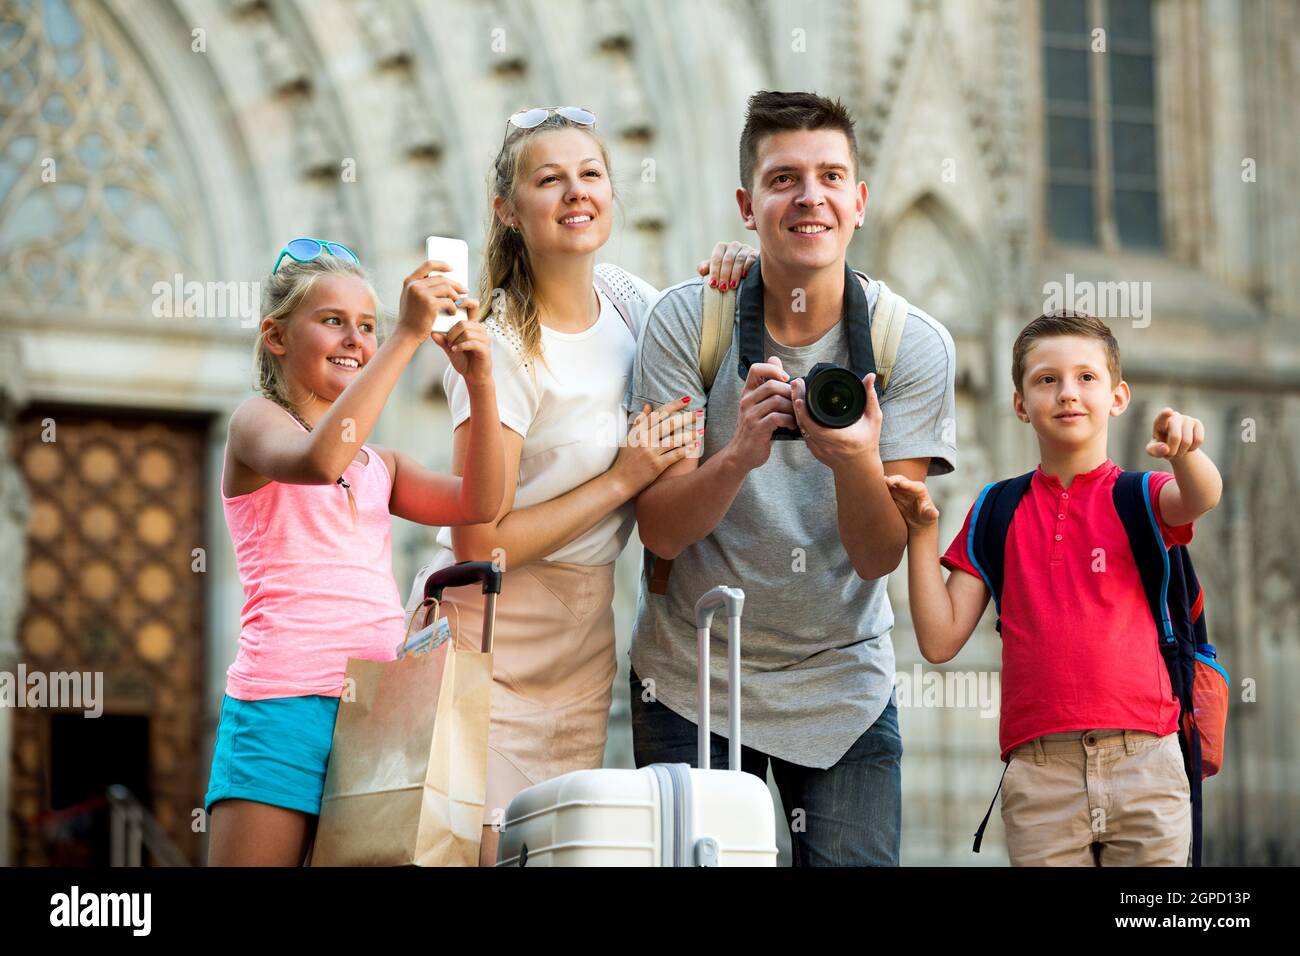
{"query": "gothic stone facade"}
[(141, 141)]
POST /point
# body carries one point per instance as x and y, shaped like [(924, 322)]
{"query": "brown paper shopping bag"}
[(408, 771)]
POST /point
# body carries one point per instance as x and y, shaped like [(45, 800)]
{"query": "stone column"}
[(14, 506)]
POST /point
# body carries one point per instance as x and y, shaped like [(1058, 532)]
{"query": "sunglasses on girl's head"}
[(305, 250), (529, 119)]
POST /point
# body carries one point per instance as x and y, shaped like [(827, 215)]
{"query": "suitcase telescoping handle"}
[(733, 599), (470, 572)]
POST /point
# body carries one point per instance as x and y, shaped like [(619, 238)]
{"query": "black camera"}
[(834, 397)]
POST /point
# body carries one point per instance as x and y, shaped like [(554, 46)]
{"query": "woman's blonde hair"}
[(282, 292), (506, 265)]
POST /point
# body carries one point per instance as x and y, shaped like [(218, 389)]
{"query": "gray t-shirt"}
[(816, 658)]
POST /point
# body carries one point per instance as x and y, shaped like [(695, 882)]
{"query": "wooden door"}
[(113, 585)]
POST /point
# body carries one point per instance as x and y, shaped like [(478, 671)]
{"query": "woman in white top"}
[(563, 333)]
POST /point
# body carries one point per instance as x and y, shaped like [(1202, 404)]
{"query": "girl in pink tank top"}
[(308, 504)]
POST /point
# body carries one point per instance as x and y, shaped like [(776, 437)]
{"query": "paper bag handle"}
[(430, 606)]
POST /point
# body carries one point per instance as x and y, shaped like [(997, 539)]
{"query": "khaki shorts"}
[(1097, 798)]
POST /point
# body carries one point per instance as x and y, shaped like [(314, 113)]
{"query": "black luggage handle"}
[(461, 574)]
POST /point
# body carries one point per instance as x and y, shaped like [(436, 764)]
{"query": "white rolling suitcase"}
[(661, 815)]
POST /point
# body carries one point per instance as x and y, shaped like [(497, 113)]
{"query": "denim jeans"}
[(849, 814)]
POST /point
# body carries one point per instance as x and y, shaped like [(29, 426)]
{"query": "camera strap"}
[(749, 308)]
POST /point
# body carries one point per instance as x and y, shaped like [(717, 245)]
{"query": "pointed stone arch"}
[(931, 256)]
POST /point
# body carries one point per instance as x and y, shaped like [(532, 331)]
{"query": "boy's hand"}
[(1174, 435), (913, 501)]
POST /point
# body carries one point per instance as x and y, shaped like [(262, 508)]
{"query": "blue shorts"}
[(273, 751)]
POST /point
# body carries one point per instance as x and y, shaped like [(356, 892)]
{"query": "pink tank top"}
[(318, 588)]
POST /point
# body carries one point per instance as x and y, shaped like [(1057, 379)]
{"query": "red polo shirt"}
[(1079, 648)]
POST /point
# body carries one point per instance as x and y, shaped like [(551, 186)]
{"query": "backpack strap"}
[(986, 546), (1169, 582), (719, 315), (1132, 497), (887, 323), (979, 833), (986, 541), (616, 300), (1189, 627)]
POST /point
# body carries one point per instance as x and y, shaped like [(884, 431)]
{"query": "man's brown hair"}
[(771, 112), (1064, 322)]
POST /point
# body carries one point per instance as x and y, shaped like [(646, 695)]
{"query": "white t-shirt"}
[(573, 418)]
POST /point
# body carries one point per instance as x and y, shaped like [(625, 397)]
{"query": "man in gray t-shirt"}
[(807, 527)]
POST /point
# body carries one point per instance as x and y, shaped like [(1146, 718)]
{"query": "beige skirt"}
[(553, 670)]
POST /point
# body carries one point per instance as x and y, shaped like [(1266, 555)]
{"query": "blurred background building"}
[(1008, 145)]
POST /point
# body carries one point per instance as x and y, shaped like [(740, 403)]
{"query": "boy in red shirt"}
[(1089, 724)]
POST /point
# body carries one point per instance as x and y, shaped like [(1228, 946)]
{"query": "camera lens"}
[(836, 397)]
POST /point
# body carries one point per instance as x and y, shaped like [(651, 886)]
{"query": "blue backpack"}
[(1177, 605)]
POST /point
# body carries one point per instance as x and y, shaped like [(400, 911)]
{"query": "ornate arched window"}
[(91, 206)]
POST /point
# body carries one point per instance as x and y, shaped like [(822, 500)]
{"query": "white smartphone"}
[(454, 252)]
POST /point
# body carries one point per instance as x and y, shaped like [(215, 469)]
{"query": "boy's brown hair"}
[(772, 112), (1064, 322)]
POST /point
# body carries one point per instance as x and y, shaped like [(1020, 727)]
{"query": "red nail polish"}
[(686, 399), (713, 283)]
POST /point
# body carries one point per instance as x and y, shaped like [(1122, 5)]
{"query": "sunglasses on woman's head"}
[(305, 250), (530, 119)]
